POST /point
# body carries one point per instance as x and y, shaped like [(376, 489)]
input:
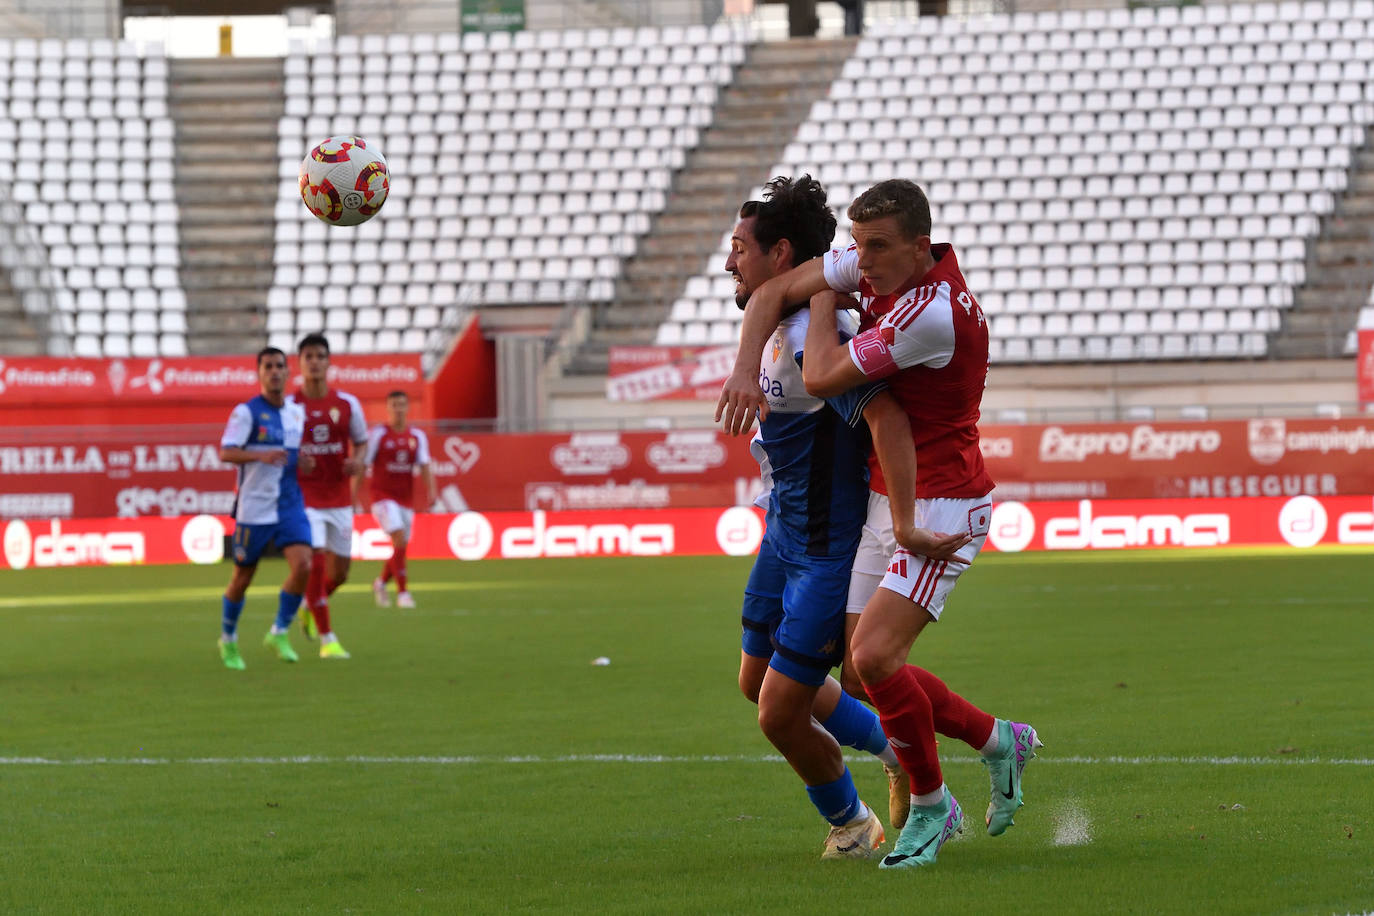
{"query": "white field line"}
[(212, 593), (477, 760)]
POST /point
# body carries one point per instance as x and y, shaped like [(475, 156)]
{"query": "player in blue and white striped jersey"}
[(813, 457), (263, 437)]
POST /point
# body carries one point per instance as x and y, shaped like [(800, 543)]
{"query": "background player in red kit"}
[(394, 452), (335, 432)]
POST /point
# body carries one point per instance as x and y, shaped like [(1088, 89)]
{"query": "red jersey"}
[(393, 458), (332, 422), (930, 341)]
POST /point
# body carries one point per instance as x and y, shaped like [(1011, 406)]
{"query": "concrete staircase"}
[(19, 334), (1340, 271), (226, 113), (756, 116)]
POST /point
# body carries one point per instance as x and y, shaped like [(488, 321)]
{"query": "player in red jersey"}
[(394, 452), (335, 433), (924, 332)]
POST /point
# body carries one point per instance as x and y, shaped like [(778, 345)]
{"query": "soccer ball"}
[(344, 181)]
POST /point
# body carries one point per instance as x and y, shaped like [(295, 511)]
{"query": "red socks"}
[(955, 716), (398, 566), (908, 721), (912, 705), (317, 592)]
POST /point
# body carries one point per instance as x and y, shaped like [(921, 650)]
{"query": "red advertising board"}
[(1364, 366), (135, 471), (1225, 458), (28, 381), (176, 471), (1299, 522), (667, 373)]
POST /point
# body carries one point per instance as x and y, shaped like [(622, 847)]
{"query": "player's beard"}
[(742, 296)]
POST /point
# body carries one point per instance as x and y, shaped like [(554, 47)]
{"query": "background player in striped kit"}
[(263, 438), (812, 456)]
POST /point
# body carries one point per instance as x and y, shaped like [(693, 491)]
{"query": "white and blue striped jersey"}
[(812, 451), (266, 492)]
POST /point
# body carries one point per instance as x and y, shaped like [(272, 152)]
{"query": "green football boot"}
[(229, 654), (281, 644)]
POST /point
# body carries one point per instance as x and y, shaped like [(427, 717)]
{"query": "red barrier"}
[(175, 471), (1300, 522)]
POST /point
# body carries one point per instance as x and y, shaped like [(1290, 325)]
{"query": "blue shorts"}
[(794, 607), (251, 540)]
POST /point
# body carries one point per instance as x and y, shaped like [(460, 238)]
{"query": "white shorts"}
[(880, 563), (393, 516), (331, 529)]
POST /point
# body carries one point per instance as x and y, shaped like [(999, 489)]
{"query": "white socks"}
[(930, 798), (990, 748)]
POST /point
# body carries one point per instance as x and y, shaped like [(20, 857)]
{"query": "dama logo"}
[(1302, 521), (202, 539), (1012, 528), (739, 531)]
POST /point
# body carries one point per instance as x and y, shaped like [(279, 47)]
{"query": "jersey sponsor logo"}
[(54, 548), (686, 453), (1075, 532), (590, 453)]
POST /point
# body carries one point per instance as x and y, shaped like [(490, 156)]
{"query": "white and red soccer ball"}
[(344, 181)]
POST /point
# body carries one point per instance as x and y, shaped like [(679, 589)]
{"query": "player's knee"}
[(779, 721), (749, 686), (872, 663)]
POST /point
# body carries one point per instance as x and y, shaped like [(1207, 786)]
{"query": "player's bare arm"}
[(234, 455), (740, 396), (828, 370), (430, 492)]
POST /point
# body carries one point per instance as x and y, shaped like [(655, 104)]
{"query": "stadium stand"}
[(94, 151), (525, 167), (1121, 184)]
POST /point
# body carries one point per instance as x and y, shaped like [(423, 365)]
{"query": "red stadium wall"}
[(464, 388), (1300, 522)]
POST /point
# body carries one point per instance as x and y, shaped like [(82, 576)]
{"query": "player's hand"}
[(740, 397), (358, 507), (828, 298), (933, 544), (352, 466), (276, 456), (306, 463)]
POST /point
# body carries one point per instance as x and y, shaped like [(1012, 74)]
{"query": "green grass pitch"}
[(1207, 720)]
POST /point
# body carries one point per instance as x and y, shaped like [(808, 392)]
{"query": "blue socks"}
[(838, 801), (229, 621), (855, 725), (287, 605)]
